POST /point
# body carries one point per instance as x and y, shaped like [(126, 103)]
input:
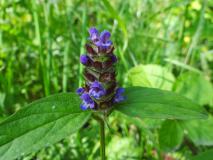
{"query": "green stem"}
[(102, 136), (102, 139)]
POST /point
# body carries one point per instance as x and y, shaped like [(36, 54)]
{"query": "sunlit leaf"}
[(195, 87), (151, 75)]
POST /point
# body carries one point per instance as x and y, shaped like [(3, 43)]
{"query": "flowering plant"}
[(100, 91), (51, 119)]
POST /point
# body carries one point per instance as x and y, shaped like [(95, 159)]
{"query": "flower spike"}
[(100, 91)]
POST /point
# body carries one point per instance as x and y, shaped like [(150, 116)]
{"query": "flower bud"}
[(84, 59)]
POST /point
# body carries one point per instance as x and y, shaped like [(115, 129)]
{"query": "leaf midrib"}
[(176, 106)]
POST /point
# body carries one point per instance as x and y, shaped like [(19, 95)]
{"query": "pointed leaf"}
[(154, 103), (40, 124)]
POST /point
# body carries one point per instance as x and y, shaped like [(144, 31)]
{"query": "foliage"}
[(170, 135), (50, 119), (155, 103), (41, 124), (160, 44)]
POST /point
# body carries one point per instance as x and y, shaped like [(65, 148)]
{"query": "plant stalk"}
[(102, 139), (102, 136)]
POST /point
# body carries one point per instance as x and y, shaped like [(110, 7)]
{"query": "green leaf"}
[(170, 135), (207, 155), (154, 103), (40, 124), (151, 75), (195, 87), (200, 132)]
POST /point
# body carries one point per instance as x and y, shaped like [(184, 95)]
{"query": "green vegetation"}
[(159, 44)]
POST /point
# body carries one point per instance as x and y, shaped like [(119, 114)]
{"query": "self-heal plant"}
[(101, 90), (50, 119)]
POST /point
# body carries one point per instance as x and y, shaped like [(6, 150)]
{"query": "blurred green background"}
[(166, 44)]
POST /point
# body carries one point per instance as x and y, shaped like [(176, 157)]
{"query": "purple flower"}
[(104, 42), (101, 41), (114, 58), (94, 35), (87, 102), (118, 95), (100, 90), (97, 90), (103, 45), (104, 37), (84, 59), (80, 90)]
